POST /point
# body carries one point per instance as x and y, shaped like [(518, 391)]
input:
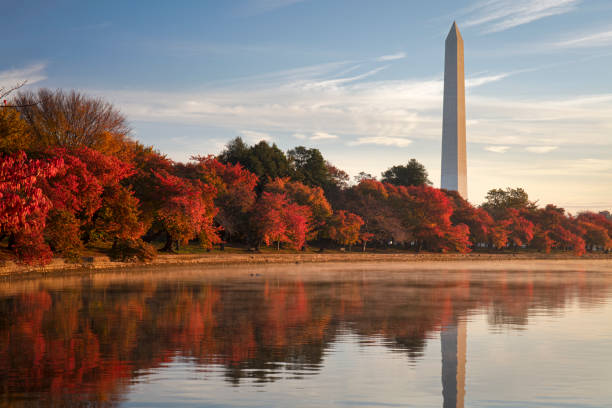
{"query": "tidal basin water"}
[(365, 335)]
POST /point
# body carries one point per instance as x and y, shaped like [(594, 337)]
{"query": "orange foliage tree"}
[(345, 227)]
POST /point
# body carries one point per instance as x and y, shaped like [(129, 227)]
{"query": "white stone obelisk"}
[(454, 166)]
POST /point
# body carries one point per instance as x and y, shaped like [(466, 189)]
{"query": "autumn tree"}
[(344, 228), (235, 188), (297, 218), (478, 220), (73, 120), (144, 183), (554, 230), (520, 231), (14, 132), (597, 230), (24, 206), (278, 220), (187, 210), (312, 197), (428, 215), (370, 200)]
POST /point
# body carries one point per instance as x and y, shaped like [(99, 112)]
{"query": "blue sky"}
[(360, 80)]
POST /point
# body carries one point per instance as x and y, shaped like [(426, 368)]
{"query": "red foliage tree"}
[(555, 230), (311, 197), (277, 220), (520, 230), (24, 206), (235, 187), (478, 220), (296, 218), (370, 200), (429, 211), (187, 210), (88, 198), (144, 183), (597, 230), (268, 218)]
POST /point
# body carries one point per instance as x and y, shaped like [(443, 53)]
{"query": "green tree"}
[(499, 200), (236, 151), (267, 162), (412, 174), (309, 167)]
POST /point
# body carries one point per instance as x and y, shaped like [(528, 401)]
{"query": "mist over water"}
[(432, 335)]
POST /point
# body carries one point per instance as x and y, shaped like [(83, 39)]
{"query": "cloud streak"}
[(497, 149), (500, 15), (382, 141), (323, 136), (392, 57), (32, 74), (255, 137), (599, 39), (541, 149)]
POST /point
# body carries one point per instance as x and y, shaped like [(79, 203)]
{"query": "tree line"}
[(72, 177)]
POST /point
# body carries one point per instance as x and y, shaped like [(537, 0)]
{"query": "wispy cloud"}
[(598, 39), (323, 136), (500, 15), (255, 137), (392, 57), (32, 74), (381, 140), (497, 149), (481, 80), (338, 81), (541, 149)]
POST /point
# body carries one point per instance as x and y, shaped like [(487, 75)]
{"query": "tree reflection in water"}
[(83, 340)]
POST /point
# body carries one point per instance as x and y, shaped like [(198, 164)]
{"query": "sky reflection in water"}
[(359, 335)]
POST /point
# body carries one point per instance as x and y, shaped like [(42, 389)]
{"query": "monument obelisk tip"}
[(454, 30)]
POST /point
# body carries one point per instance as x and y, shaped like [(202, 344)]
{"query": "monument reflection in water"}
[(124, 339)]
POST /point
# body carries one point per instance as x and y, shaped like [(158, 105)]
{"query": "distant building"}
[(454, 166)]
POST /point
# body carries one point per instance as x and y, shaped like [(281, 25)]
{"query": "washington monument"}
[(454, 167)]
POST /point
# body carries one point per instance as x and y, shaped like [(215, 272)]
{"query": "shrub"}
[(132, 250)]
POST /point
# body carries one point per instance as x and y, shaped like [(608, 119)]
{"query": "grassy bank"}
[(98, 259)]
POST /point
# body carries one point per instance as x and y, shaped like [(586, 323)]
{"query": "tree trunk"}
[(168, 246), (11, 241)]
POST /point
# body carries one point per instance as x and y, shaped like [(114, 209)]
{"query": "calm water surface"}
[(351, 335)]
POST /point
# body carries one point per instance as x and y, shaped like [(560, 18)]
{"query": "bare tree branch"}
[(4, 92)]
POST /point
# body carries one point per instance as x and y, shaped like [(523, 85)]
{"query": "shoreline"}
[(88, 264)]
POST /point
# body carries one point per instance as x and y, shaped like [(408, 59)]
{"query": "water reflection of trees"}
[(92, 338)]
